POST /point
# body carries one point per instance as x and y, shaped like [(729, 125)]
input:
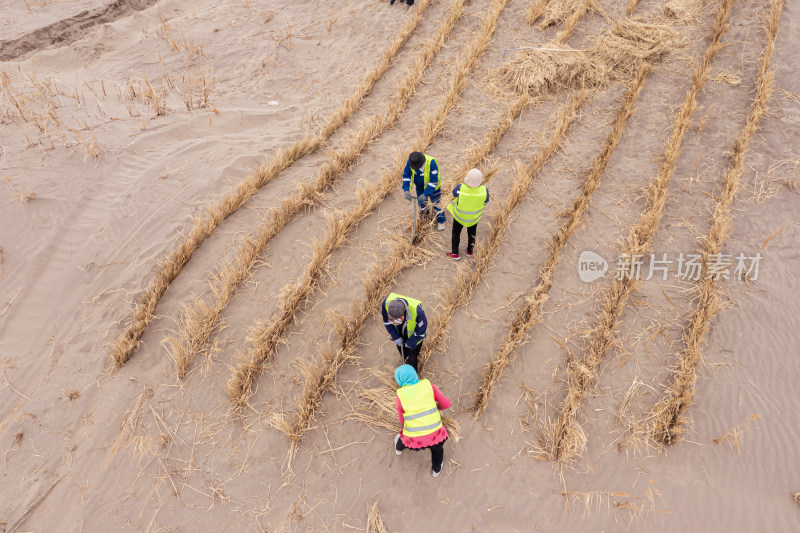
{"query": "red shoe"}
[(453, 256), (469, 254)]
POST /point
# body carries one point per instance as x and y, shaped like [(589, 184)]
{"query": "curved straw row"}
[(666, 415), (566, 438), (530, 313), (199, 318), (266, 337), (172, 264), (575, 16), (320, 378)]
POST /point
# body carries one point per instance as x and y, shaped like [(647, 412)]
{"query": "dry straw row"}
[(172, 264), (666, 416), (531, 311), (565, 438), (199, 317), (320, 379), (266, 337), (568, 12)]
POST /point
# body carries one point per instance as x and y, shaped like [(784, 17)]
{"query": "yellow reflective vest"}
[(420, 414), (411, 323), (468, 206), (426, 173)]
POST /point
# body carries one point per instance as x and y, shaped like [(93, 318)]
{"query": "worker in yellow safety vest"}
[(469, 200), (405, 321), (418, 404)]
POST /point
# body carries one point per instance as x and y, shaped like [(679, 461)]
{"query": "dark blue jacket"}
[(419, 178)]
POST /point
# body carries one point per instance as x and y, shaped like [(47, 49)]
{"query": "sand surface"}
[(98, 182)]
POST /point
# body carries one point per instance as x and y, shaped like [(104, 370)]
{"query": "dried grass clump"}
[(796, 498), (375, 522), (320, 378), (265, 337), (531, 311), (618, 55), (630, 44), (666, 416), (566, 434), (172, 264), (683, 10)]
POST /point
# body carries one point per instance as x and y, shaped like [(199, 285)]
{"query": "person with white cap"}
[(423, 170), (469, 200), (404, 320)]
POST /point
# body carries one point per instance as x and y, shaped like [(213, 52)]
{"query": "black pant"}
[(471, 231), (410, 355), (437, 454)]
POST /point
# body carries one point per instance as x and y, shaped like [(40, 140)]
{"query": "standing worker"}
[(467, 206), (424, 172), (418, 404), (406, 323)]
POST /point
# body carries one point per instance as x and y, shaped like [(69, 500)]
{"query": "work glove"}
[(398, 341), (422, 198), (408, 195)]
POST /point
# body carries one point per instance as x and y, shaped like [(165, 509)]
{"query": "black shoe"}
[(410, 2), (391, 2)]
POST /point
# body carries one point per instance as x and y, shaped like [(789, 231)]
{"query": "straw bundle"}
[(567, 438), (631, 43), (266, 337), (666, 416), (200, 318), (320, 379), (172, 264), (531, 311), (618, 55)]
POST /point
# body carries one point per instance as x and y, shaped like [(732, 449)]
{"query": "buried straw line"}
[(535, 11), (266, 337), (631, 7), (572, 21), (566, 439), (666, 416), (530, 313), (320, 379), (199, 318), (172, 264)]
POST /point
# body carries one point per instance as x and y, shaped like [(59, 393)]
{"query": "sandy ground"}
[(96, 187)]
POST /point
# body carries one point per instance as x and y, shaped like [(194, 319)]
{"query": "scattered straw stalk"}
[(320, 379), (172, 264), (666, 416), (199, 318), (531, 311), (566, 438)]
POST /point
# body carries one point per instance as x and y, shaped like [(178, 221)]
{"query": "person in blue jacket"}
[(405, 321), (424, 172)]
